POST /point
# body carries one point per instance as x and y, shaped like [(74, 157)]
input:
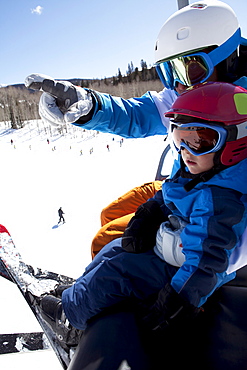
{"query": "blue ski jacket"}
[(135, 117), (131, 118), (216, 212), (216, 215)]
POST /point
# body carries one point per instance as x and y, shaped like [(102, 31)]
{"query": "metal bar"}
[(182, 3)]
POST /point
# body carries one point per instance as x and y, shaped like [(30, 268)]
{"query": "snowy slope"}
[(37, 179)]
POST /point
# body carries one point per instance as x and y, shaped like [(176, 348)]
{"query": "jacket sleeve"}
[(217, 222), (130, 118)]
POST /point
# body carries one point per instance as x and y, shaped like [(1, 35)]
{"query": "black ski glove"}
[(169, 310), (140, 234), (62, 102), (64, 91)]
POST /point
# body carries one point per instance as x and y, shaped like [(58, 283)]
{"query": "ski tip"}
[(3, 229)]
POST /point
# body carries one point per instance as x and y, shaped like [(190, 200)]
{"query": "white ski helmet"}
[(210, 23)]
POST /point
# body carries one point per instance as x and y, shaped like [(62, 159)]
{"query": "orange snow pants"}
[(116, 216)]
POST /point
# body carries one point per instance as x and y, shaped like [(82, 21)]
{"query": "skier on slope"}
[(60, 214), (218, 54)]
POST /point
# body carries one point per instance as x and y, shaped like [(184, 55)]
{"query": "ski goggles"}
[(198, 138), (197, 67), (188, 69)]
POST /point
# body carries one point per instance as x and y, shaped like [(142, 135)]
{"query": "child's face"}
[(197, 164)]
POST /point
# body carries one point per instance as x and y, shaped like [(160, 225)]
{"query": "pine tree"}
[(119, 76), (144, 70)]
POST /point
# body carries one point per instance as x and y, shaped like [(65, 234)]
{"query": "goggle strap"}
[(220, 53), (242, 130)]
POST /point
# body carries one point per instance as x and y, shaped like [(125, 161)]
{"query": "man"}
[(206, 26), (197, 43)]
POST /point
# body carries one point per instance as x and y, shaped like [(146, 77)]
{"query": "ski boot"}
[(58, 291), (52, 312)]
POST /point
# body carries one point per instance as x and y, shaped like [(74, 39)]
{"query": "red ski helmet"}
[(219, 103)]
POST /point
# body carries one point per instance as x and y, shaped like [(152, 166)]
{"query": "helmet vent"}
[(238, 150), (198, 6), (234, 152)]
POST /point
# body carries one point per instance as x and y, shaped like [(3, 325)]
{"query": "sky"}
[(83, 39)]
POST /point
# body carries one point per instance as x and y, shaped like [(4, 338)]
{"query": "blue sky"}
[(85, 39)]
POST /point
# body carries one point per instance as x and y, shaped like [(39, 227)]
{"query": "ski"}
[(33, 283), (23, 342), (38, 273), (3, 272)]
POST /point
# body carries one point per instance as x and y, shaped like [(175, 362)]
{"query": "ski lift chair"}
[(165, 164)]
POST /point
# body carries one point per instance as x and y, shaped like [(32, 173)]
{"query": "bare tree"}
[(18, 105)]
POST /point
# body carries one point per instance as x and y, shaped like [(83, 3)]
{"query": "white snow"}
[(35, 181)]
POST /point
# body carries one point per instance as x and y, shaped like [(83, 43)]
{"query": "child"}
[(202, 210)]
